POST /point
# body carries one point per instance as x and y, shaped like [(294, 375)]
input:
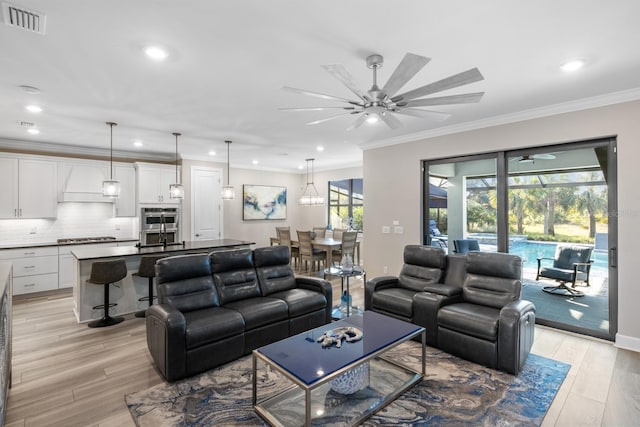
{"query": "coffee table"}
[(310, 400)]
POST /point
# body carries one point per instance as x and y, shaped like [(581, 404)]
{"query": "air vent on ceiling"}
[(27, 125), (19, 17)]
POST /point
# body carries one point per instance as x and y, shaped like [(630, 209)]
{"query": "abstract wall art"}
[(264, 202)]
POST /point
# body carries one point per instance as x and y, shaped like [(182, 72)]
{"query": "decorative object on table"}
[(228, 192), (176, 191), (111, 187), (311, 197), (346, 263), (345, 301), (351, 381), (447, 396), (264, 202), (335, 336)]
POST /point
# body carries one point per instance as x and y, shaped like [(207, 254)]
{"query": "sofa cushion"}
[(493, 279), (185, 282), (260, 311), (234, 275), (273, 269), (301, 301), (470, 319), (394, 300), (211, 324)]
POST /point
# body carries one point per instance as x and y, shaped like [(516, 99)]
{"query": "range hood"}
[(83, 183)]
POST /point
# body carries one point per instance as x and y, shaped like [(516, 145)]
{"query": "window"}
[(345, 204)]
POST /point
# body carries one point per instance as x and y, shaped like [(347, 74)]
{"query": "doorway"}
[(532, 203), (205, 203)]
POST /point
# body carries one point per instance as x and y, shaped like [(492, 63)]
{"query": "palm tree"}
[(595, 203)]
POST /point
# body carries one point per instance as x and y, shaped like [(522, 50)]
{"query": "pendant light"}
[(176, 191), (310, 197), (111, 187), (228, 192)]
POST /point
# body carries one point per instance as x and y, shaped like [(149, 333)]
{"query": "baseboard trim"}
[(628, 343)]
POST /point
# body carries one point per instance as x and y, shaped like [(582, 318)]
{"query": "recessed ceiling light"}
[(300, 167), (137, 143), (573, 65), (33, 108), (212, 153), (319, 148), (33, 131), (255, 162), (156, 52)]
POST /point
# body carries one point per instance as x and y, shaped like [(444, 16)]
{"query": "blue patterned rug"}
[(454, 392)]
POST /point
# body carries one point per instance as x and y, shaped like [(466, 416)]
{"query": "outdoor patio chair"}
[(462, 246), (571, 264)]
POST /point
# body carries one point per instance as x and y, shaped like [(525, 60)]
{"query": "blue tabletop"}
[(305, 358)]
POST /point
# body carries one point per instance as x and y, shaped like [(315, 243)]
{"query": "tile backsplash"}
[(74, 220)]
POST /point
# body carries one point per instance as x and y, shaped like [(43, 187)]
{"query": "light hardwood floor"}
[(66, 374)]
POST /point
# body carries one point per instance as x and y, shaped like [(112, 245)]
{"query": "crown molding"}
[(534, 113), (62, 150)]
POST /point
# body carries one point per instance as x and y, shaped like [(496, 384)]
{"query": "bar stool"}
[(147, 268), (105, 273)]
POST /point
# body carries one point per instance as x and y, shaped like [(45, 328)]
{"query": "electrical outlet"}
[(117, 226), (34, 230), (385, 269)]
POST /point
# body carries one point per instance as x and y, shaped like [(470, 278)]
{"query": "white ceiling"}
[(228, 61)]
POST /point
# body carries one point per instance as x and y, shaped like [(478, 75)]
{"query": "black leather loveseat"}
[(215, 308), (469, 304)]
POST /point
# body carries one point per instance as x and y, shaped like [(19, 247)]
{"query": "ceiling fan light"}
[(372, 118)]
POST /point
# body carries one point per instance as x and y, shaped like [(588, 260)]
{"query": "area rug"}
[(453, 392)]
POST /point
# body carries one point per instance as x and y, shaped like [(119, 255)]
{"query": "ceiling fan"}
[(382, 104), (531, 158)]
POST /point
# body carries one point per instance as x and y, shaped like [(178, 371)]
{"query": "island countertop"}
[(125, 251)]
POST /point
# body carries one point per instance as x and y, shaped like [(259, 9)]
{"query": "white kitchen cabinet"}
[(153, 183), (34, 269), (30, 188), (81, 181), (126, 202)]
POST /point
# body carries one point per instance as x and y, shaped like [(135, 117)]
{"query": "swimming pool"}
[(530, 251)]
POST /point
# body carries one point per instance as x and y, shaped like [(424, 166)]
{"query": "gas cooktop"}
[(75, 240)]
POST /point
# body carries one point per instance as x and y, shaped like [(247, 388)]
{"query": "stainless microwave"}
[(159, 225)]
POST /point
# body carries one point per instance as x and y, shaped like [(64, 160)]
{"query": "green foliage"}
[(559, 238)]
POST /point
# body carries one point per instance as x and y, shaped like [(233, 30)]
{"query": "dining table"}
[(324, 244)]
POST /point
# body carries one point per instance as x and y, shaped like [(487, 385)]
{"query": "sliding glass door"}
[(548, 205)]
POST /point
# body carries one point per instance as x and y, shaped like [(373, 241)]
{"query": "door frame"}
[(192, 171)]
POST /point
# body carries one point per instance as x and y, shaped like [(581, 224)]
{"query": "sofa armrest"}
[(376, 284), (443, 289), (318, 285), (166, 339), (515, 334), (425, 312)]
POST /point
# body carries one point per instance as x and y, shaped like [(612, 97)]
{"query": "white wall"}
[(388, 169)]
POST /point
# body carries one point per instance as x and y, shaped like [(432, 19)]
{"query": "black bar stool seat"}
[(105, 273), (147, 268)]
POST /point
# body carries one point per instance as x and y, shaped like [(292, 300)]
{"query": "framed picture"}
[(264, 202)]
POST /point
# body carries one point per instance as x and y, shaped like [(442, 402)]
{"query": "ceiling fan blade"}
[(416, 112), (315, 122), (341, 73), (316, 94), (316, 108), (461, 79), (465, 98), (358, 122), (408, 67), (544, 156), (390, 120)]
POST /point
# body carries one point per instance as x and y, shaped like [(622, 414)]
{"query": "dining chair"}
[(348, 247), (307, 252), (284, 237), (337, 233), (320, 232)]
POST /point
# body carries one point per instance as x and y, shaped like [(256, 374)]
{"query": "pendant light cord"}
[(111, 125), (228, 163), (177, 135)]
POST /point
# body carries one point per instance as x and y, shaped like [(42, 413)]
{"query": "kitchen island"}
[(131, 288)]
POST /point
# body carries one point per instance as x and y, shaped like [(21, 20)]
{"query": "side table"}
[(337, 312)]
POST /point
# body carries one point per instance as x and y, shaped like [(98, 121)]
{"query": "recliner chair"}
[(490, 324)]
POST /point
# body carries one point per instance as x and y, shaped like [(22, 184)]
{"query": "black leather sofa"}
[(469, 304), (215, 308)]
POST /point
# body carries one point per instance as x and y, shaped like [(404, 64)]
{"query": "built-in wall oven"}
[(159, 225)]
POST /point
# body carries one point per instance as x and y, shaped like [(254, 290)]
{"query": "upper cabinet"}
[(153, 183), (30, 188), (126, 202)]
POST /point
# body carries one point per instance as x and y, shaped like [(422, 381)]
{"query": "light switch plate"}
[(386, 229)]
